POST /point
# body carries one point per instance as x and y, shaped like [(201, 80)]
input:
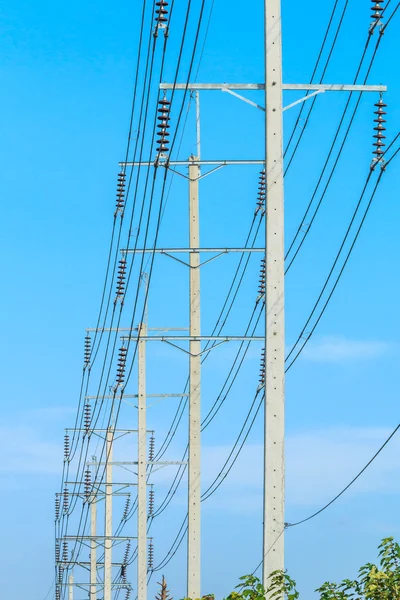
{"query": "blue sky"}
[(67, 75)]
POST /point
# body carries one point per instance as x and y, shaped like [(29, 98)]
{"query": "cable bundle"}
[(162, 20)]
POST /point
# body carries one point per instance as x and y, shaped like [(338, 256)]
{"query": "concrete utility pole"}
[(142, 468), (71, 587), (194, 482), (274, 426), (108, 516), (93, 541)]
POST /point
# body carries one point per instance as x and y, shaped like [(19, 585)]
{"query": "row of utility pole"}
[(194, 256)]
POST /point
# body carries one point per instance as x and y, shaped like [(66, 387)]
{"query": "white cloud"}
[(341, 349), (319, 464)]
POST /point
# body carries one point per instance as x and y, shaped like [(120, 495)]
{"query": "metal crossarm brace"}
[(197, 338), (325, 87), (190, 250)]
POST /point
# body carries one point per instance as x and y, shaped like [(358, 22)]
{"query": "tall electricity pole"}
[(108, 541), (142, 468), (194, 467), (93, 541), (274, 414), (71, 587)]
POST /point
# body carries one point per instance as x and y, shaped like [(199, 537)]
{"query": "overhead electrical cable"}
[(217, 481), (176, 543), (104, 365), (391, 16), (157, 226), (145, 102), (217, 404), (300, 339), (223, 474), (313, 101), (384, 167), (128, 145), (301, 228), (217, 327), (310, 108), (165, 180), (128, 142), (347, 233), (306, 231), (349, 485), (209, 417)]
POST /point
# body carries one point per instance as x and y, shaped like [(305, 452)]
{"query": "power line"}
[(344, 490), (108, 341), (336, 35), (305, 341), (223, 475), (197, 34), (338, 277), (213, 410), (171, 553), (391, 16), (128, 145), (49, 592), (218, 326), (307, 230), (145, 244)]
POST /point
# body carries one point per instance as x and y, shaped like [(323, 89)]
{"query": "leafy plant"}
[(281, 586), (374, 582)]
